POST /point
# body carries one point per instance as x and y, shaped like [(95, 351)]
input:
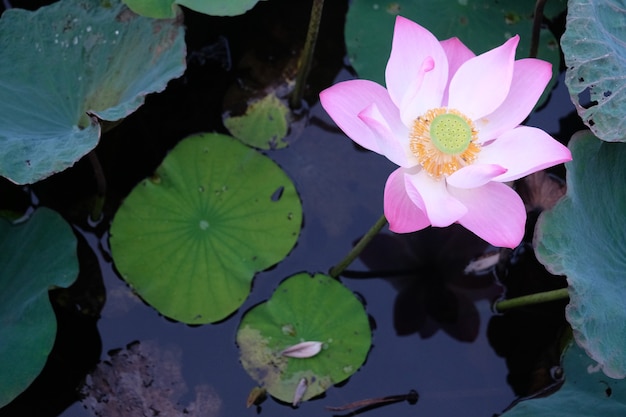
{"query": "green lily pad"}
[(479, 24), (190, 238), (585, 392), (68, 60), (595, 55), (304, 308), (264, 125), (164, 9), (35, 256), (583, 237)]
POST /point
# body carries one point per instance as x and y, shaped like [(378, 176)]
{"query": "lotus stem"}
[(537, 19), (526, 300), (96, 211), (412, 398), (358, 248), (304, 64)]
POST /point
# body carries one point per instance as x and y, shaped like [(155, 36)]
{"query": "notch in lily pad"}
[(303, 311), (190, 238)]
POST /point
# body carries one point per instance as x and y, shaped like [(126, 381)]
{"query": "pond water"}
[(456, 353)]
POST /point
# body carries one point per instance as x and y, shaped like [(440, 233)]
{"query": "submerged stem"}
[(304, 65), (358, 248), (96, 211), (537, 19), (526, 300), (412, 398)]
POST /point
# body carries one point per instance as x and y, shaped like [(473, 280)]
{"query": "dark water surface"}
[(473, 363)]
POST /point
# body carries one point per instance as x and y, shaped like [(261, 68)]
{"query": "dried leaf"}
[(541, 190), (145, 380), (257, 396)]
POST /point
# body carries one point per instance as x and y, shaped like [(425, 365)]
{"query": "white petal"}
[(303, 350), (299, 391)]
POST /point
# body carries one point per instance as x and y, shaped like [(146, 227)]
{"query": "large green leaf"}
[(595, 55), (585, 392), (304, 308), (34, 256), (584, 238), (69, 59), (480, 24), (190, 238), (164, 9)]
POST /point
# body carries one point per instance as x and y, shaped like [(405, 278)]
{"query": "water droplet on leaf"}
[(288, 329)]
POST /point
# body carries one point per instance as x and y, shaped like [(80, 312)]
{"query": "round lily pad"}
[(34, 256), (190, 238), (304, 308)]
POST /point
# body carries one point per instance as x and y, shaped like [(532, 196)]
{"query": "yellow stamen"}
[(444, 141)]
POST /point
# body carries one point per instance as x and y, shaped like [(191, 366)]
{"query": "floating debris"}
[(257, 396)]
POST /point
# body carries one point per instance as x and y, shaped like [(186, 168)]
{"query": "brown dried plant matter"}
[(144, 380)]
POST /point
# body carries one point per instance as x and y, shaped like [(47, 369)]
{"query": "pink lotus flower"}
[(451, 121)]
